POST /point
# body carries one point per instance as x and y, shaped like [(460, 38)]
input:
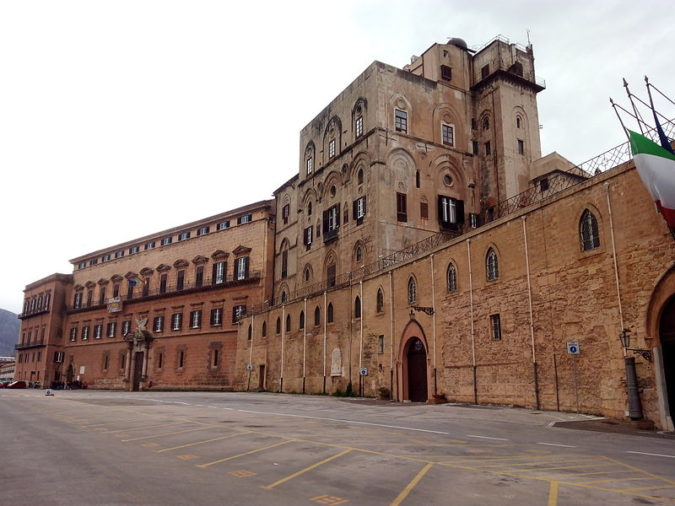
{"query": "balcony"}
[(29, 345), (173, 290), (29, 314), (331, 235)]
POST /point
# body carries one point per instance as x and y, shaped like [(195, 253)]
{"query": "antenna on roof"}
[(528, 37)]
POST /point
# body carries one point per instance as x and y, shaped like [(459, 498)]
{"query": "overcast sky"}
[(123, 118)]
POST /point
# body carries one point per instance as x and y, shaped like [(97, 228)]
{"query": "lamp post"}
[(634, 404)]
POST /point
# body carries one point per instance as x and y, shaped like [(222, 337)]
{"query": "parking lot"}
[(91, 447)]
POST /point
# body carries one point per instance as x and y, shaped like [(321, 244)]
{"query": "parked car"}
[(3, 384), (17, 384)]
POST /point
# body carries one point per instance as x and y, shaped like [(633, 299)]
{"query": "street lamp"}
[(625, 342), (634, 403)]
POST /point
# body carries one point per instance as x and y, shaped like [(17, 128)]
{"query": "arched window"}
[(358, 254), (380, 301), (491, 265), (329, 316), (288, 323), (302, 320), (263, 330), (486, 123), (588, 228), (307, 274), (359, 176), (278, 329), (357, 307), (517, 121), (284, 297), (317, 316), (452, 278), (309, 209), (412, 290), (250, 332)]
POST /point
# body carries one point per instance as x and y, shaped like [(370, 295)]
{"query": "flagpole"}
[(660, 92), (637, 114), (614, 106)]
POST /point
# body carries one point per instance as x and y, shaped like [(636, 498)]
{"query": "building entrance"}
[(667, 335), (416, 357), (138, 370)]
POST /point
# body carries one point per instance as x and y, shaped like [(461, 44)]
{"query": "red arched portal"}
[(413, 365)]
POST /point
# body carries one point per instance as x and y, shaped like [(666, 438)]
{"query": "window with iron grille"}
[(379, 306), (158, 324), (195, 319), (588, 227), (446, 73), (359, 126), (309, 165), (412, 290), (401, 121), (176, 321), (492, 265), (238, 312), (217, 316), (331, 148), (401, 207), (452, 278), (448, 134), (496, 327)]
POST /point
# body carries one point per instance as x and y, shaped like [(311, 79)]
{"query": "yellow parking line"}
[(146, 427), (553, 461), (553, 494), (308, 468), (245, 453), (645, 488), (575, 466), (413, 483), (609, 480), (567, 475), (637, 469), (163, 434), (199, 442)]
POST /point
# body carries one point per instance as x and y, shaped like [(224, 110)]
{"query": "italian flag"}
[(656, 167)]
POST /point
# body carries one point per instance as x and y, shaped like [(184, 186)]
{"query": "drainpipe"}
[(250, 353), (473, 333), (433, 320), (361, 387), (632, 389), (283, 334), (529, 302), (391, 326), (325, 337), (304, 348)]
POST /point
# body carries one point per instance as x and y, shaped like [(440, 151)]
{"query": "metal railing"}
[(30, 344)]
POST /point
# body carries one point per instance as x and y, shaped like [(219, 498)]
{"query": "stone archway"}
[(667, 340), (413, 365)]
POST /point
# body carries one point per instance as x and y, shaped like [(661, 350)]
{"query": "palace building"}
[(423, 251)]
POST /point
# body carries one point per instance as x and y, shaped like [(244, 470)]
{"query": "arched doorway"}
[(667, 336), (416, 357), (412, 377)]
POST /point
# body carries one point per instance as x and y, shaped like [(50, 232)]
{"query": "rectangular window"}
[(195, 319), (90, 297), (359, 210), (77, 301), (331, 222), (98, 331), (219, 270), (474, 220), (474, 147), (241, 268), (521, 147), (133, 250), (73, 334), (85, 333), (180, 280), (181, 359), (215, 358), (284, 264), (166, 240), (496, 327), (331, 148), (285, 213), (119, 254), (446, 73), (58, 357), (401, 207), (203, 231), (116, 290), (81, 265), (448, 134), (380, 344), (359, 126), (309, 165), (488, 149), (158, 324), (401, 121), (199, 276), (183, 236), (424, 210), (106, 258), (307, 237), (150, 245), (223, 225), (162, 283), (450, 212), (238, 312), (93, 261), (126, 327), (46, 306), (247, 218), (146, 287), (176, 321), (130, 289), (160, 360), (485, 71), (216, 316), (111, 329), (543, 184)]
